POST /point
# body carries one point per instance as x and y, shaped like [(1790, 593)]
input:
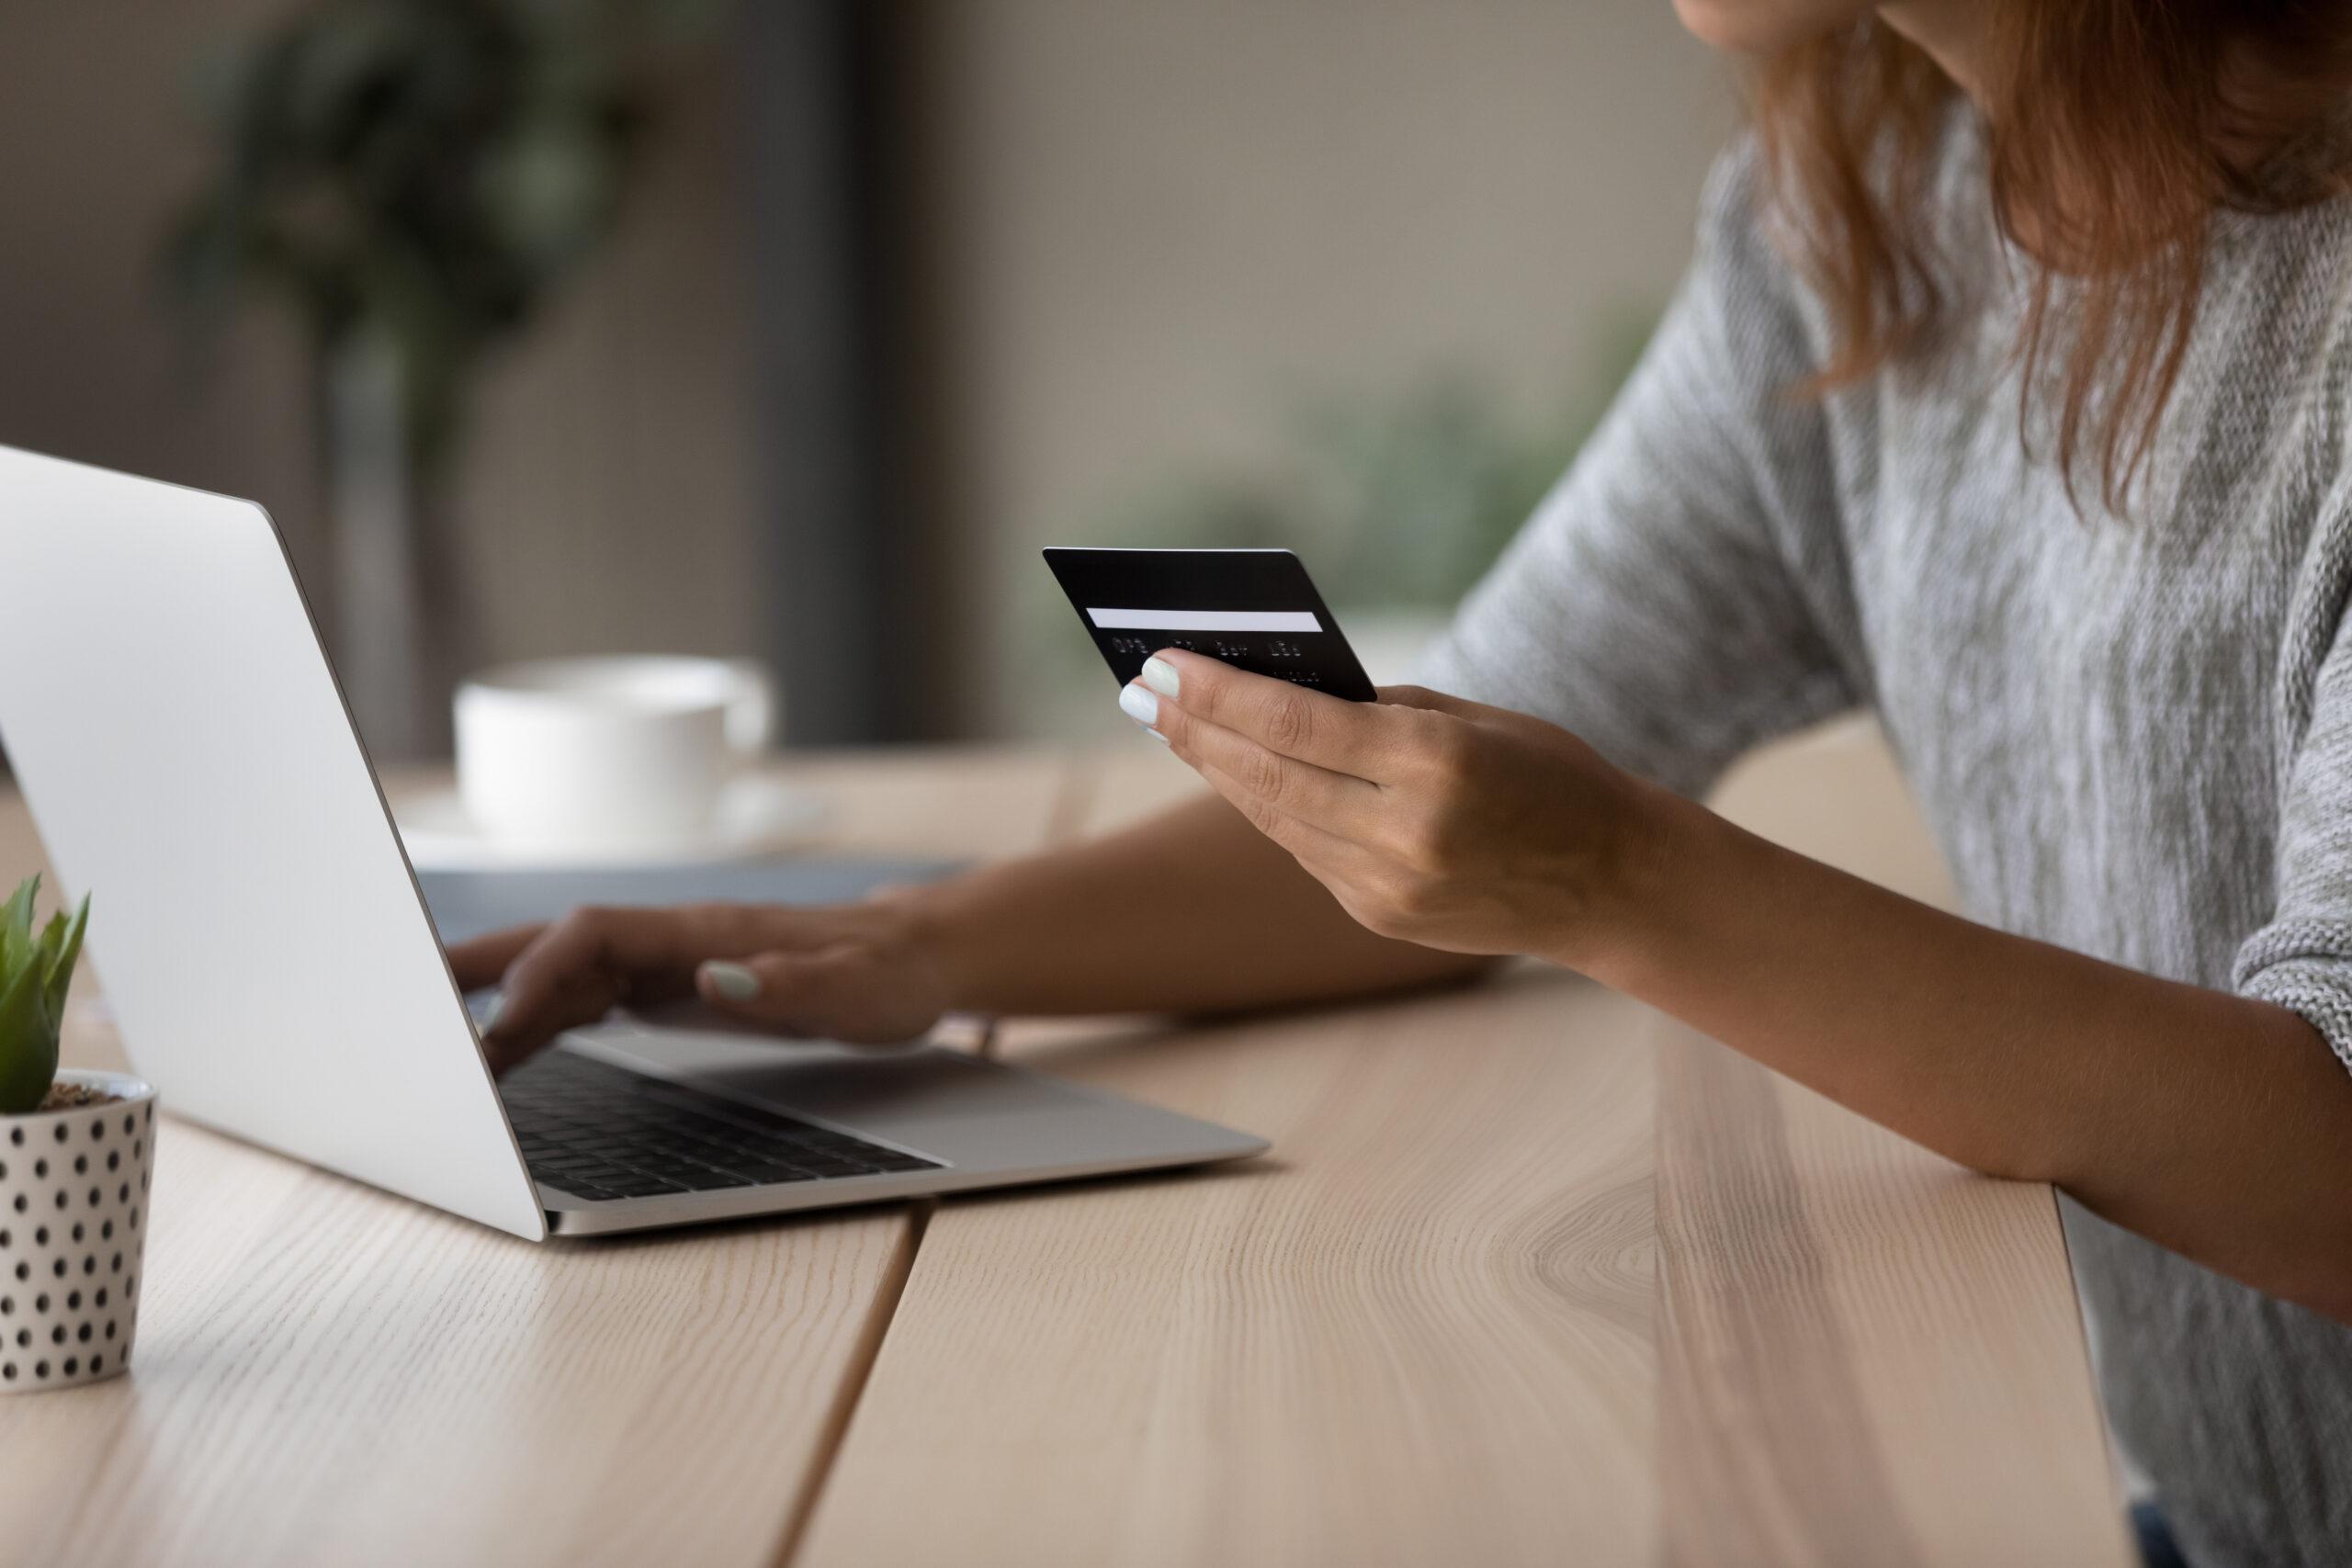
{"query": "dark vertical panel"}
[(843, 543)]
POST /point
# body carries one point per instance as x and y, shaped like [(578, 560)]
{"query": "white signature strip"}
[(1206, 620)]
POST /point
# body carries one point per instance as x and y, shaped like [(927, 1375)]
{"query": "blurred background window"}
[(794, 328)]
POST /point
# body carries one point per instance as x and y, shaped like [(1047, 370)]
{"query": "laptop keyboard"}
[(600, 1132)]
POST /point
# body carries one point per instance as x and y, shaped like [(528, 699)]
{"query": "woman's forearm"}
[(2219, 1125), (1190, 912)]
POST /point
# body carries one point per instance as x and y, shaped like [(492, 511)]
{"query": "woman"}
[(2006, 396)]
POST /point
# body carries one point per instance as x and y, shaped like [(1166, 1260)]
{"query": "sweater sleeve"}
[(1670, 600), (2302, 958)]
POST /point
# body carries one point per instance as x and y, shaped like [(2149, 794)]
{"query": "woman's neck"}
[(1949, 32)]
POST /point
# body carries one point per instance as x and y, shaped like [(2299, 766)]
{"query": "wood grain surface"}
[(1418, 1332), (326, 1374), (1869, 1355), (1532, 1276), (1836, 1347)]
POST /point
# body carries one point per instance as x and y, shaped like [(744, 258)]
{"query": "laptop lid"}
[(188, 759)]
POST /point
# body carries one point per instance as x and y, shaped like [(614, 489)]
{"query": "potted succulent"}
[(77, 1151)]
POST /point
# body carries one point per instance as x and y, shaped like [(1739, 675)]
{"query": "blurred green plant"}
[(34, 974), (413, 180), (1401, 500), (1397, 501), (421, 171)]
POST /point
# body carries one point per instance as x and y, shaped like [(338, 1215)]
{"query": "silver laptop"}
[(190, 761)]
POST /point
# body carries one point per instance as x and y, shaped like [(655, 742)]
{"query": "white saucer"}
[(756, 817)]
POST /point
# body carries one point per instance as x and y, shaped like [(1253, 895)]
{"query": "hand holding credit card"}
[(1256, 610), (1432, 819)]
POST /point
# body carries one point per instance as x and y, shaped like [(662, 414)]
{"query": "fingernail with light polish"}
[(1139, 704), (1161, 676), (732, 981), (1161, 738)]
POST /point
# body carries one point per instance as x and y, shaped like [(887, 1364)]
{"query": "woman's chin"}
[(1761, 27)]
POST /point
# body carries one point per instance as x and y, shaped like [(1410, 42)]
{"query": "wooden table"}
[(1532, 1277)]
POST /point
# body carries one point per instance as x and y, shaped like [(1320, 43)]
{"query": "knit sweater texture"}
[(2132, 736)]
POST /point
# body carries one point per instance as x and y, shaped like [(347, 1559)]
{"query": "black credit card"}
[(1256, 610)]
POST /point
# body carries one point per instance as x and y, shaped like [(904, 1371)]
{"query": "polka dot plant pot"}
[(73, 1214)]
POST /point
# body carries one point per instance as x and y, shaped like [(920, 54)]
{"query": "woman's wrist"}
[(934, 927), (1663, 851)]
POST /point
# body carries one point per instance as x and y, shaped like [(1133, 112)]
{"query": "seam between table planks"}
[(1073, 797), (1012, 816), (1289, 1331), (860, 1371)]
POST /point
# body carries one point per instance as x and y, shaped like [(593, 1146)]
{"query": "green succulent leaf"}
[(17, 928), (53, 936), (59, 976), (34, 975), (28, 1042)]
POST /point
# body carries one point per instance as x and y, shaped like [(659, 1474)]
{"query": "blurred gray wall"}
[(1153, 225), (1137, 232), (607, 494), (93, 149)]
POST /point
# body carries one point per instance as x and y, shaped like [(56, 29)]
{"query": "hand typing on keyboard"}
[(865, 974)]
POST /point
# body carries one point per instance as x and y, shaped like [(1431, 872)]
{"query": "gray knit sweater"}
[(2131, 737)]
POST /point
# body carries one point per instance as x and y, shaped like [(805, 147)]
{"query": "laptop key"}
[(584, 1190), (642, 1185), (771, 1174)]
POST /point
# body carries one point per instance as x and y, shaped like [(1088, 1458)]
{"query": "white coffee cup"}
[(624, 753)]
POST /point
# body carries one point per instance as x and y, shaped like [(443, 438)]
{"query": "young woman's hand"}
[(867, 973), (1440, 822)]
